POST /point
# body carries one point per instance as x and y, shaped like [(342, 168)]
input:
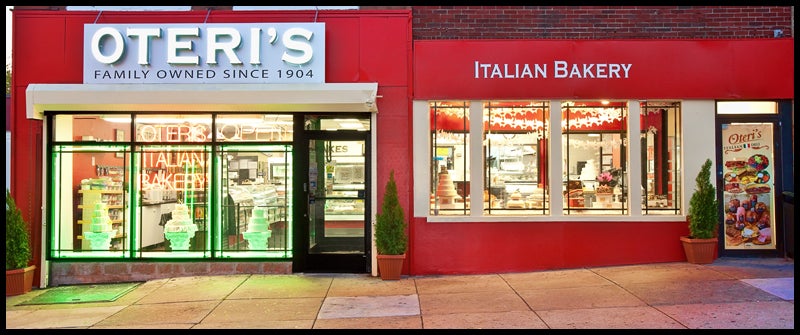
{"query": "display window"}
[(511, 161), (515, 161), (171, 188), (256, 200), (661, 159), (450, 164), (595, 151), (515, 141), (90, 201)]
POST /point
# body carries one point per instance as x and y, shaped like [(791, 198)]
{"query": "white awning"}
[(327, 97)]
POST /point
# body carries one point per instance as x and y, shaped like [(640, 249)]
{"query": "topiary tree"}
[(703, 207), (390, 225), (18, 244)]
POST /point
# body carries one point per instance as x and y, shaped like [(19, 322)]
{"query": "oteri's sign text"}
[(204, 53), (560, 69)]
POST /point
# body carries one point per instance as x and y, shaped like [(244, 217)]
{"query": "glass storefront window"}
[(337, 122), (90, 200), (450, 174), (178, 128), (256, 201), (173, 183), (157, 193), (93, 128), (594, 152), (515, 144), (661, 175), (254, 127)]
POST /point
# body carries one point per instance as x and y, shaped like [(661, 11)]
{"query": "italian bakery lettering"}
[(174, 171), (204, 53), (560, 70)]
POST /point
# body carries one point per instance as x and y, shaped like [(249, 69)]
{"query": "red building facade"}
[(416, 81)]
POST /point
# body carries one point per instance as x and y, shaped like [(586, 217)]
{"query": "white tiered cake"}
[(101, 222), (445, 189), (181, 221), (259, 221)]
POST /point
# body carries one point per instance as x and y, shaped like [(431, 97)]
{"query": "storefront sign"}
[(559, 69), (204, 53), (593, 69)]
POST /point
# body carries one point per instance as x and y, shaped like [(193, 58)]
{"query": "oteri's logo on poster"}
[(205, 53)]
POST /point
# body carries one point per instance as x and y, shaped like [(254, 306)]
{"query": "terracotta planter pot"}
[(390, 266), (19, 281), (700, 250)]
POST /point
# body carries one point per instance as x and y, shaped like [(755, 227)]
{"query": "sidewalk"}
[(731, 293)]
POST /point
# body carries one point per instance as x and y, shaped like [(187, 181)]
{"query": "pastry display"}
[(515, 200)]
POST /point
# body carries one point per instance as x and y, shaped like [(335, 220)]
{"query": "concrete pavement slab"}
[(780, 287), (257, 324), (473, 302), (370, 286), (491, 320), (193, 289), (282, 286), (608, 318), (69, 317), (739, 315), (369, 306), (154, 315), (554, 279), (579, 297), (754, 267), (663, 272), (389, 322), (697, 292), (247, 310), (462, 283)]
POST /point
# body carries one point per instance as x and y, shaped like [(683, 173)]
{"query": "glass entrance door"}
[(338, 202)]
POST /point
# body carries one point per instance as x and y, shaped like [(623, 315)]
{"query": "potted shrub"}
[(701, 244), (390, 233), (19, 276)]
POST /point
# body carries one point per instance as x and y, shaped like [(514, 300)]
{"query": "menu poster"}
[(749, 193)]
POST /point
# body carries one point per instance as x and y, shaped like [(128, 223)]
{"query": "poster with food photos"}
[(748, 188)]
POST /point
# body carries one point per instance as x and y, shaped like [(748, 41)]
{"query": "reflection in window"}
[(118, 193), (450, 160), (90, 207), (595, 157), (661, 175), (256, 194), (254, 127), (174, 183), (515, 142)]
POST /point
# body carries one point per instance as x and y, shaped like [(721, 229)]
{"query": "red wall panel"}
[(497, 247)]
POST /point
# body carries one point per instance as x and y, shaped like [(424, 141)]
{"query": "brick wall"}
[(600, 22), (71, 273)]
